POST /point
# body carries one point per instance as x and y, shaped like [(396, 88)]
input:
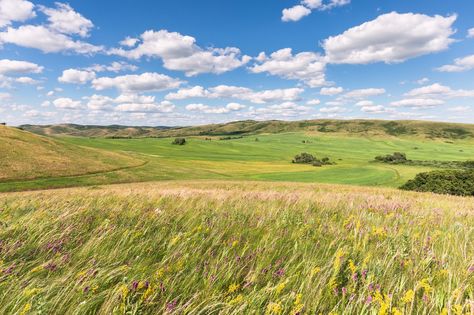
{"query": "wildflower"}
[(315, 270), (26, 309), (235, 243), (37, 269), (424, 284), (31, 292), (280, 287), (297, 305), (457, 309), (160, 273), (338, 259), (274, 308), (170, 306), (233, 287), (408, 297), (149, 292), (238, 299), (352, 266), (280, 272), (396, 311)]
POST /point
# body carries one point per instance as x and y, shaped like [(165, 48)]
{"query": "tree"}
[(179, 141)]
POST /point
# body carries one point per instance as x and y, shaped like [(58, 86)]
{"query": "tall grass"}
[(233, 248)]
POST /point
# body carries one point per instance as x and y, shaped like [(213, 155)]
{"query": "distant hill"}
[(250, 127), (24, 155)]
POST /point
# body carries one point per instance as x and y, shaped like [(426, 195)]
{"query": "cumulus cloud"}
[(46, 40), (15, 11), (129, 102), (8, 66), (470, 33), (215, 110), (67, 103), (307, 67), (148, 81), (330, 91), (374, 109), (360, 94), (64, 19), (237, 92), (129, 41), (332, 110), (115, 66), (459, 65), (295, 13), (305, 8), (162, 107), (313, 102), (418, 102), (180, 52), (391, 38), (437, 90), (76, 76)]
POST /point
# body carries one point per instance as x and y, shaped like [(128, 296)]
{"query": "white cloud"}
[(374, 109), (331, 91), (237, 92), (180, 52), (163, 107), (459, 109), (76, 76), (418, 102), (299, 11), (5, 96), (148, 81), (332, 110), (313, 102), (195, 91), (64, 19), (470, 33), (66, 103), (307, 67), (459, 65), (8, 66), (115, 66), (422, 81), (129, 41), (215, 110), (15, 10), (295, 13), (364, 103), (26, 80), (46, 40), (360, 94), (391, 38), (437, 90)]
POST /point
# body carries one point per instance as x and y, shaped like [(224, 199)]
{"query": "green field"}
[(269, 158)]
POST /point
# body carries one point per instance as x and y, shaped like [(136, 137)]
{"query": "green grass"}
[(217, 247), (267, 159)]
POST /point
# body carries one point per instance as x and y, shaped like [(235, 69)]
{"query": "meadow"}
[(268, 159), (234, 247)]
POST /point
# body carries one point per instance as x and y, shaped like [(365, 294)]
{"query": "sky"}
[(188, 62)]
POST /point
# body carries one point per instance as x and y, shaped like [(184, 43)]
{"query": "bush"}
[(452, 182), (306, 158), (179, 141), (396, 157)]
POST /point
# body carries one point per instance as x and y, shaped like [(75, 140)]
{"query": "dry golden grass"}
[(25, 156)]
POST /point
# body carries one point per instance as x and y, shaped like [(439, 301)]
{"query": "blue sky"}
[(195, 62)]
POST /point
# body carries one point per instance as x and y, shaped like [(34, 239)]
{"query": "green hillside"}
[(424, 129), (24, 155)]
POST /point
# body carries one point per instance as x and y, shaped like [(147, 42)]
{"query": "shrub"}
[(396, 157), (452, 182), (304, 158), (179, 141)]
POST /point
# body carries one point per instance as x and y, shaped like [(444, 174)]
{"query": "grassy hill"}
[(217, 247), (268, 159), (323, 126), (24, 155)]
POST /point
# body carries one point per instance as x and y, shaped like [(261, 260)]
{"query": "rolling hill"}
[(425, 129), (25, 155)]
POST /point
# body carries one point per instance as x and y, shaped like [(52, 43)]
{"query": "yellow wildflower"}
[(31, 292), (26, 309), (444, 311), (149, 292), (297, 305), (352, 266), (424, 284), (233, 287), (235, 243), (280, 287), (457, 309), (37, 269), (408, 297), (274, 308), (315, 270), (238, 299), (160, 273), (396, 311), (338, 258)]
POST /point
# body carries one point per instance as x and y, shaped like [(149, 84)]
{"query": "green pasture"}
[(267, 159)]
